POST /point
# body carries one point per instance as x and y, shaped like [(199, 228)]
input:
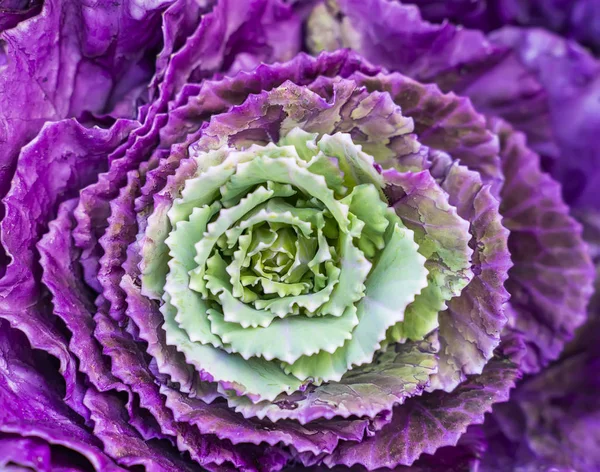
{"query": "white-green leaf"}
[(397, 277)]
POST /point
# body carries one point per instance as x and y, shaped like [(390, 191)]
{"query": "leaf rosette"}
[(283, 268), (275, 257), (302, 264)]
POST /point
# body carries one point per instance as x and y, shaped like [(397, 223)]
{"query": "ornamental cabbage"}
[(222, 253)]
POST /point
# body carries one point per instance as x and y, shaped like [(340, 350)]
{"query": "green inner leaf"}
[(398, 276), (283, 264)]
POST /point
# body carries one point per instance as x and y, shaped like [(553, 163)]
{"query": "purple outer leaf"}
[(462, 457), (551, 281), (576, 19), (570, 79), (32, 403), (23, 454), (316, 437), (123, 443), (72, 303), (71, 298), (394, 35), (120, 231), (424, 424), (553, 418), (73, 156), (470, 329), (50, 62), (12, 12)]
